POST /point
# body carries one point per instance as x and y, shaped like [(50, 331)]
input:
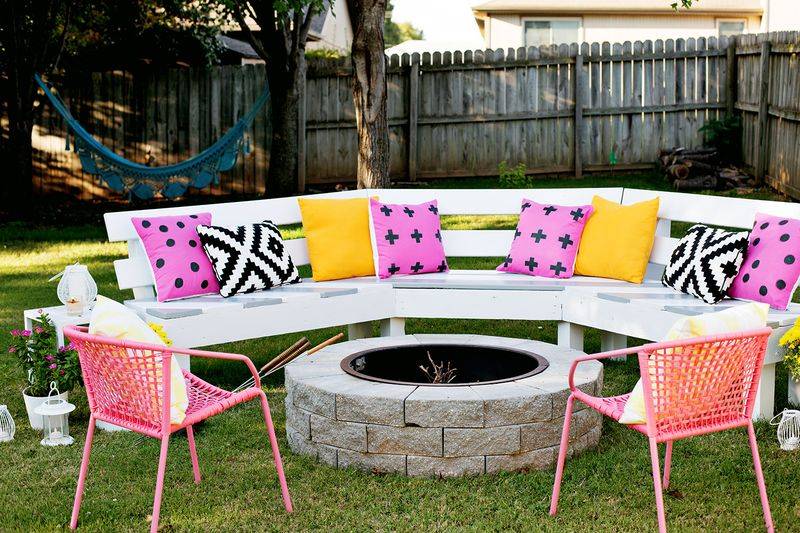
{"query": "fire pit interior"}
[(443, 364)]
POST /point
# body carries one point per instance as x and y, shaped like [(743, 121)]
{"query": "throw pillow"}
[(178, 263), (546, 239), (771, 269), (112, 319), (408, 238), (338, 238), (739, 318), (617, 240), (248, 258), (705, 262)]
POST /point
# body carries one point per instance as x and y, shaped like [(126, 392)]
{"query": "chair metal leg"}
[(193, 453), (667, 464), (662, 521), (562, 456), (87, 449), (762, 487), (276, 454), (162, 467)]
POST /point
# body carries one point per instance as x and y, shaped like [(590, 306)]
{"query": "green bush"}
[(726, 136), (513, 177)]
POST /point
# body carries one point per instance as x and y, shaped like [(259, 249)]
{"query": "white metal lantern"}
[(76, 289), (55, 419), (788, 429), (7, 427)]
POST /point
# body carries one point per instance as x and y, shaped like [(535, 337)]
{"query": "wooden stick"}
[(287, 351), (328, 342), (286, 358)]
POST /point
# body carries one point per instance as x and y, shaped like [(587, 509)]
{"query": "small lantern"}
[(76, 289), (788, 429), (7, 427), (55, 419)]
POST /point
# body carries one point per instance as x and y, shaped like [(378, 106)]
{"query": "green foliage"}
[(725, 135), (398, 32), (513, 177), (43, 362), (686, 4), (324, 53)]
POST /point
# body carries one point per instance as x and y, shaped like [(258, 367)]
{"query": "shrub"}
[(43, 362), (513, 177), (791, 342), (725, 135)]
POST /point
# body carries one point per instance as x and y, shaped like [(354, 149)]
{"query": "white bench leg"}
[(765, 397), (393, 327), (360, 330), (570, 335), (613, 341)]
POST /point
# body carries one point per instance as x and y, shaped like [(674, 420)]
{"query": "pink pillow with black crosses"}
[(546, 240), (180, 266), (408, 238), (771, 266)]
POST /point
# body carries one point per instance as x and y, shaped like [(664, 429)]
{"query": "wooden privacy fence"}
[(558, 109)]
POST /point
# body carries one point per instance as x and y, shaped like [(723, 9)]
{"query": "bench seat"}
[(617, 308)]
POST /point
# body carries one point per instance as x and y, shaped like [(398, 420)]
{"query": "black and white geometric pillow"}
[(248, 258), (705, 262)]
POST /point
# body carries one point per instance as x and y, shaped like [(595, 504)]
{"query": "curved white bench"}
[(617, 308)]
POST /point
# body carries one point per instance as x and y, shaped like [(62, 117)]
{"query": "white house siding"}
[(337, 32), (505, 30)]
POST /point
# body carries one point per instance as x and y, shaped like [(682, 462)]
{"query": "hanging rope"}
[(142, 181)]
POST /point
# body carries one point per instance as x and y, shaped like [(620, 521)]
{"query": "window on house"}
[(726, 28), (537, 32)]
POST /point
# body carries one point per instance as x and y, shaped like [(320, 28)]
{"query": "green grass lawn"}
[(607, 489)]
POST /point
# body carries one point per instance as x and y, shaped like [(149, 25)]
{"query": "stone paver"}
[(444, 407), (461, 442), (445, 466), (405, 440)]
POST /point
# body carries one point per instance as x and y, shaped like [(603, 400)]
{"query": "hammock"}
[(142, 181)]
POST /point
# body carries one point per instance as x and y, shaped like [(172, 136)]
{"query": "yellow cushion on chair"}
[(617, 240), (338, 237), (739, 318), (112, 319)]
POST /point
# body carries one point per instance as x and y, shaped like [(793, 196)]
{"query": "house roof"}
[(237, 46), (617, 6)]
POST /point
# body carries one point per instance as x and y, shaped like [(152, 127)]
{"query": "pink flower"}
[(25, 333), (49, 358), (53, 366), (12, 349), (62, 372), (38, 329), (15, 333)]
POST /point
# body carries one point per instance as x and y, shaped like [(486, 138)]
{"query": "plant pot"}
[(32, 402)]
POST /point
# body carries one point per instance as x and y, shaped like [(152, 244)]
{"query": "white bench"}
[(617, 308)]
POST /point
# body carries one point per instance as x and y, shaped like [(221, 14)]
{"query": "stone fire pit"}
[(511, 422)]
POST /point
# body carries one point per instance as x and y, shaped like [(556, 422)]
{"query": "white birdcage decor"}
[(76, 289), (7, 427), (788, 429), (55, 419)]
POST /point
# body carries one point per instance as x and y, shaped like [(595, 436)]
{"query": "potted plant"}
[(44, 363), (791, 357)]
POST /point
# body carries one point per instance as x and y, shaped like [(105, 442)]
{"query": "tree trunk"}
[(369, 92), (282, 175), (17, 195)]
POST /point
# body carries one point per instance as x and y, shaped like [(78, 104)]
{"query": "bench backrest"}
[(134, 272)]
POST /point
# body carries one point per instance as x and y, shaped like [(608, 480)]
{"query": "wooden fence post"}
[(577, 127), (763, 114), (413, 116), (730, 86)]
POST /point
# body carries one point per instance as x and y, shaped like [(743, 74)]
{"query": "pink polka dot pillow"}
[(546, 240), (408, 238), (180, 267), (771, 266)]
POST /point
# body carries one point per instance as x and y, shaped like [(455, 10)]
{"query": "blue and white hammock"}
[(142, 181)]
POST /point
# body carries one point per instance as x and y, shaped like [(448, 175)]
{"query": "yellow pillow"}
[(739, 318), (617, 240), (338, 237), (112, 319)]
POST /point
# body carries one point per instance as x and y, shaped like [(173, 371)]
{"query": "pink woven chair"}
[(125, 386), (691, 387)]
